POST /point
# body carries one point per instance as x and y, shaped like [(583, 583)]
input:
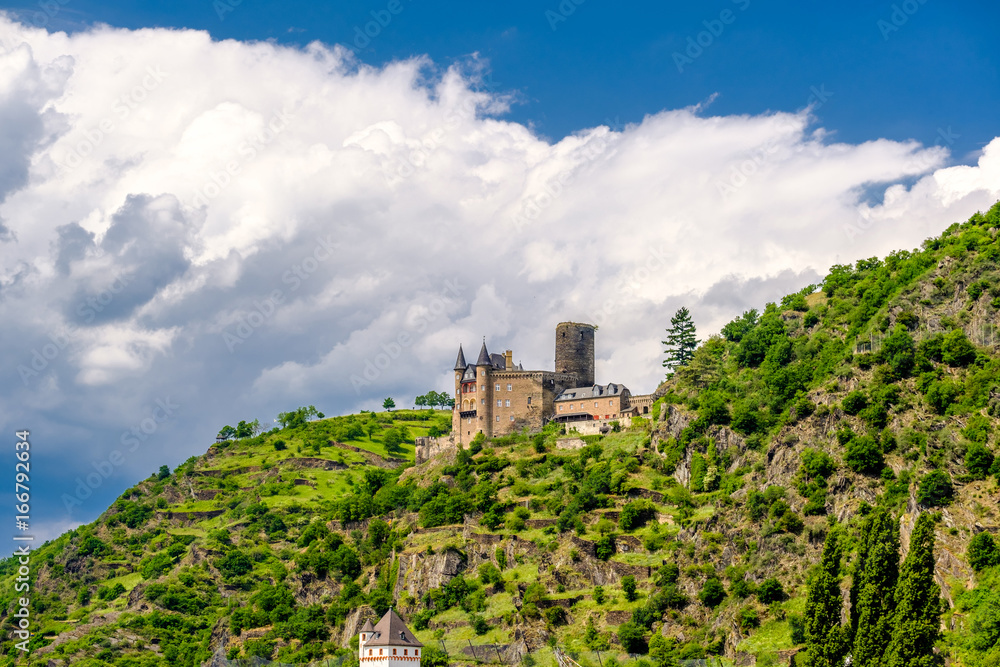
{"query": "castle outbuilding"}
[(495, 397), (389, 643)]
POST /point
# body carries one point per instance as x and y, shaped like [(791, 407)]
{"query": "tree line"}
[(895, 609)]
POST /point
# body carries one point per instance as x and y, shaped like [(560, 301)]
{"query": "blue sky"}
[(233, 229), (907, 70)]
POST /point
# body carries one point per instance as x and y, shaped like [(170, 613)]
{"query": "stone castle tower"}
[(575, 351)]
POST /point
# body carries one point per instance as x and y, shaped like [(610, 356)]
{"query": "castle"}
[(495, 397), (389, 643)]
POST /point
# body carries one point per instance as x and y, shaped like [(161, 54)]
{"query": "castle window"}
[(406, 651), (482, 401), (380, 651), (498, 388), (510, 387), (499, 403), (570, 406), (369, 651), (611, 402), (512, 417), (484, 387), (560, 408), (498, 417), (529, 400), (507, 403), (595, 404), (394, 651), (416, 652)]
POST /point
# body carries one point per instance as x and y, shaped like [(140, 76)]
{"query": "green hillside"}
[(870, 399)]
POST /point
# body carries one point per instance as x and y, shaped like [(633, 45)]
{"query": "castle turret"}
[(575, 351), (484, 366), (367, 630), (460, 364)]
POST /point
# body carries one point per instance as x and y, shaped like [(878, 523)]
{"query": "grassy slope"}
[(707, 533)]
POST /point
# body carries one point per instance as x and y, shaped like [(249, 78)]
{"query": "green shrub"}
[(770, 590), (863, 455), (628, 586), (712, 592), (854, 402), (978, 460), (935, 489), (983, 552)]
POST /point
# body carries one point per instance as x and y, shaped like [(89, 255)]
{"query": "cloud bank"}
[(197, 232)]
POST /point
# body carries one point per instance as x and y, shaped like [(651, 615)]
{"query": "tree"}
[(680, 341), (918, 603), (392, 439), (983, 552), (388, 404), (163, 473), (825, 638), (298, 417), (628, 586), (227, 432), (876, 606), (712, 593), (632, 637), (935, 489)]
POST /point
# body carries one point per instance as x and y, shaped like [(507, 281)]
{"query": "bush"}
[(632, 637), (863, 455), (747, 618), (797, 623), (712, 593), (935, 489), (854, 402), (770, 590), (479, 624), (628, 585), (983, 552), (956, 350), (978, 460), (605, 547), (553, 615)]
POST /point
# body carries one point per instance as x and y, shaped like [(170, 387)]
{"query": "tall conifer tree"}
[(858, 573), (681, 341), (876, 603), (826, 638), (918, 603)]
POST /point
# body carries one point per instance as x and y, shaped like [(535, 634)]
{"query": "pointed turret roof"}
[(460, 364), (367, 627), (484, 356), (391, 631)]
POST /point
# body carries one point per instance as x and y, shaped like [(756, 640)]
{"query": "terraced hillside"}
[(694, 533)]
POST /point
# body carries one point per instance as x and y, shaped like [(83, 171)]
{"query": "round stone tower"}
[(575, 351)]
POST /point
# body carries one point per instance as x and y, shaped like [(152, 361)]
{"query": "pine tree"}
[(826, 639), (918, 603), (876, 604), (858, 573), (680, 341)]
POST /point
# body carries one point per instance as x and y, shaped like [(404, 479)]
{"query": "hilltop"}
[(692, 533)]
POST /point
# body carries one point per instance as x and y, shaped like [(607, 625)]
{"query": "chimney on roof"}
[(509, 358)]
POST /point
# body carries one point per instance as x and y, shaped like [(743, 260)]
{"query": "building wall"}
[(389, 660), (601, 407), (541, 387), (594, 426)]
